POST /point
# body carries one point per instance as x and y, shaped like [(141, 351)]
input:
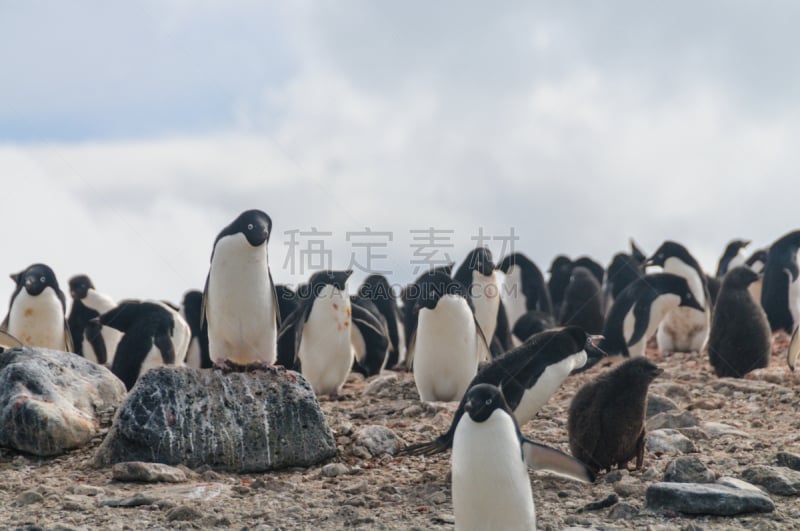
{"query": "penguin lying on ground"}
[(36, 313), (638, 311), (683, 329), (740, 339), (239, 302), (528, 376), (490, 460), (154, 334), (448, 343)]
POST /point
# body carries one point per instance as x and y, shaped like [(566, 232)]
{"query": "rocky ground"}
[(759, 415)]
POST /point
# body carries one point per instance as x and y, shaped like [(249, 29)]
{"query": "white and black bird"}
[(640, 309), (524, 288), (89, 338), (240, 306), (780, 290), (528, 376), (154, 334), (685, 329), (489, 463), (36, 313), (409, 296), (733, 256), (377, 289), (623, 270), (321, 329), (478, 276), (448, 343), (369, 337)]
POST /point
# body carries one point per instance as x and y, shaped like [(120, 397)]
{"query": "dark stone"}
[(688, 469), (777, 480), (659, 404), (52, 401), (610, 500), (238, 422), (695, 498), (788, 460)]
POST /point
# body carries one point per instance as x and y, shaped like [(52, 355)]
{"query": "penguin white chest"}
[(548, 383), (38, 320), (513, 298), (660, 308), (240, 309), (326, 353), (485, 295), (446, 352), (491, 487), (685, 329)]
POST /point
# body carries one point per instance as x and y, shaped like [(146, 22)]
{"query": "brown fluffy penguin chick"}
[(740, 339), (607, 416)]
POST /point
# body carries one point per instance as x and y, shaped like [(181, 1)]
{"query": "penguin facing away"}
[(377, 289), (528, 376), (560, 270), (524, 288), (606, 420), (531, 323), (150, 338), (740, 338), (239, 303), (36, 313), (490, 483), (477, 274), (448, 344), (638, 311), (368, 336), (587, 263), (733, 256), (91, 340), (684, 329), (288, 302), (780, 289), (321, 328), (583, 302)]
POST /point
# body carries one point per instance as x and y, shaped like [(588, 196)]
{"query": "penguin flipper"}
[(502, 329), (68, 344), (373, 330), (94, 335), (275, 305), (641, 318), (794, 349), (204, 304), (294, 325), (412, 343), (4, 324), (163, 342), (484, 350), (8, 341), (541, 457), (122, 316)]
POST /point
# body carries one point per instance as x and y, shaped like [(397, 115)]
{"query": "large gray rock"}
[(239, 422), (669, 442), (695, 498), (777, 480), (659, 404), (671, 420), (52, 401)]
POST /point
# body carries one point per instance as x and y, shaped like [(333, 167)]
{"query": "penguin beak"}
[(593, 355), (468, 406)]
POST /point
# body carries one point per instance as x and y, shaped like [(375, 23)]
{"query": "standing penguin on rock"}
[(490, 460), (321, 329), (478, 276), (606, 421), (239, 302), (740, 339), (583, 302), (684, 329), (90, 339), (780, 291), (640, 309), (37, 309)]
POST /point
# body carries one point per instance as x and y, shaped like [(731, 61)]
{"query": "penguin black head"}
[(482, 400), (35, 279), (376, 287), (687, 297), (255, 225), (637, 254), (320, 279), (735, 246), (560, 264), (639, 370), (670, 249), (79, 286), (515, 259), (433, 288), (480, 260), (590, 265), (739, 277), (757, 260)]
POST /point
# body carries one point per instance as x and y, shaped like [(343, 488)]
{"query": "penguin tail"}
[(430, 448)]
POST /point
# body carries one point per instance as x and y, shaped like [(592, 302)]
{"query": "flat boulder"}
[(237, 422), (52, 401), (696, 498)]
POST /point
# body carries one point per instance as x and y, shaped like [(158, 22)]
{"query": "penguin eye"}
[(249, 226), (41, 279), (488, 401)]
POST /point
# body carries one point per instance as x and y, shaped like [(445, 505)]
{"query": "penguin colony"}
[(497, 338)]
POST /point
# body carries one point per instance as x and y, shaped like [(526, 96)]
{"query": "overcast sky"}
[(132, 132)]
